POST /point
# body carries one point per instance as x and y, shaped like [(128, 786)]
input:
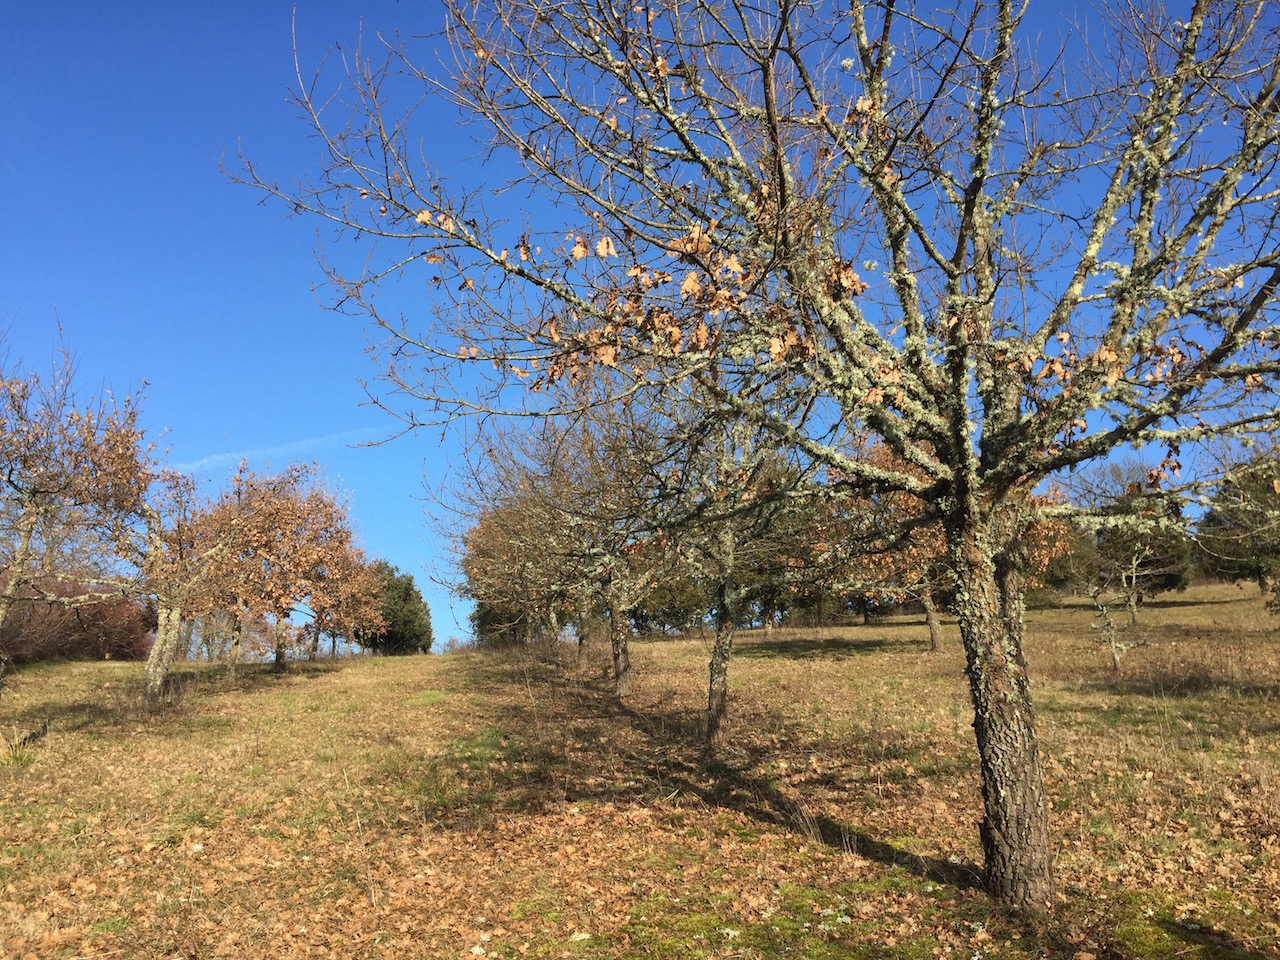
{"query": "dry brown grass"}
[(432, 807)]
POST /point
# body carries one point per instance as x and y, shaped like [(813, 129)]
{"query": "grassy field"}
[(470, 805)]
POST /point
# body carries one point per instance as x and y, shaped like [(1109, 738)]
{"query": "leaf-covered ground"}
[(508, 806)]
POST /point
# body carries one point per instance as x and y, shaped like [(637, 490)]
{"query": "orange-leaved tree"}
[(291, 544), (73, 473)]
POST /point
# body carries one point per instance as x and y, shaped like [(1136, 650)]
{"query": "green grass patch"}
[(109, 926), (428, 698)]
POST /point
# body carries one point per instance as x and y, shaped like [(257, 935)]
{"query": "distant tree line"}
[(619, 525)]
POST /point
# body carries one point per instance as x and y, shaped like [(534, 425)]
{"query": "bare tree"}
[(840, 220), (561, 519)]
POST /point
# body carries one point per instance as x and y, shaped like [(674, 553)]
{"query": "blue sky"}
[(119, 225)]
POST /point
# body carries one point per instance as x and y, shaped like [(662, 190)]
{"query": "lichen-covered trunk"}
[(282, 645), (553, 627), (718, 685), (160, 659), (931, 620), (1015, 828), (619, 634)]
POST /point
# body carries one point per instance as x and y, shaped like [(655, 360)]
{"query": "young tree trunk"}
[(1015, 830), (931, 619), (619, 634), (160, 659), (718, 686)]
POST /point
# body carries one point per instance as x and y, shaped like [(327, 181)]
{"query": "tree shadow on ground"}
[(661, 756), (74, 717), (804, 648), (119, 703), (665, 757), (1193, 695), (736, 789), (1206, 942), (1172, 602), (1181, 685)]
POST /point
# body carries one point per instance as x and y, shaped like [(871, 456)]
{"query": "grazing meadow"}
[(508, 804)]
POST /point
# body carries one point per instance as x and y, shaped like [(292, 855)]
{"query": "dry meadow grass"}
[(471, 805)]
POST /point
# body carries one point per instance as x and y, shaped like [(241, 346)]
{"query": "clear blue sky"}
[(118, 223)]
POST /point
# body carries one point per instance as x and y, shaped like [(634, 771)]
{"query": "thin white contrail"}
[(293, 448)]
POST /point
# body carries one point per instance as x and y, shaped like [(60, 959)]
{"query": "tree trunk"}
[(314, 650), (233, 658), (282, 644), (931, 618), (160, 659), (619, 634), (16, 572), (1015, 830), (553, 627), (1133, 594), (718, 686)]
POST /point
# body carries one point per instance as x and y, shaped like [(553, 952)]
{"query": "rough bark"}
[(314, 650), (721, 650), (160, 659), (619, 635), (931, 619), (1015, 827)]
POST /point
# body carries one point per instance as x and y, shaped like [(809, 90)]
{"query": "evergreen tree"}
[(406, 614)]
